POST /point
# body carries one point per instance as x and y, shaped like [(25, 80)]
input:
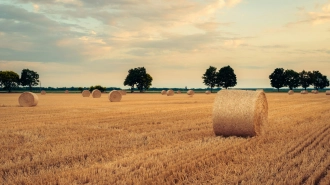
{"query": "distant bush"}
[(99, 87)]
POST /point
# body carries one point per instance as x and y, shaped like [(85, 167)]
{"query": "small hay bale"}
[(207, 92), (43, 92), (240, 113), (122, 92), (316, 92), (291, 92), (66, 91), (304, 92), (178, 92), (114, 96), (96, 93), (190, 92), (170, 93), (86, 93), (327, 92), (28, 99), (163, 92)]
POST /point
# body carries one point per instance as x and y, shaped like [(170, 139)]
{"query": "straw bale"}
[(190, 92), (316, 92), (86, 93), (114, 96), (43, 92), (122, 92), (327, 92), (304, 92), (170, 93), (163, 92), (66, 91), (28, 99), (291, 92), (207, 92), (178, 92), (96, 93), (240, 113)]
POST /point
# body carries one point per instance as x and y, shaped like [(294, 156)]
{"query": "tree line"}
[(292, 79), (225, 77), (10, 79)]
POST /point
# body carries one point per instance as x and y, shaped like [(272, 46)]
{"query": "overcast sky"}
[(90, 42)]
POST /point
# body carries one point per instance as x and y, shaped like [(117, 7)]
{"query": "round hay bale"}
[(85, 93), (96, 93), (304, 92), (327, 92), (178, 92), (114, 96), (43, 92), (316, 92), (291, 92), (207, 92), (122, 92), (163, 92), (240, 113), (66, 91), (170, 93), (28, 99), (190, 92)]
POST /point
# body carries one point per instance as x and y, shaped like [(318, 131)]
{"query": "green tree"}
[(318, 80), (305, 79), (139, 77), (210, 77), (80, 89), (291, 79), (277, 78), (9, 80), (99, 87), (226, 77), (29, 78)]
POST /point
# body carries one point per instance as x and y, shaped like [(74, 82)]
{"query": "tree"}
[(291, 79), (318, 80), (210, 77), (99, 87), (277, 78), (80, 89), (29, 78), (305, 79), (9, 80), (226, 77), (139, 77)]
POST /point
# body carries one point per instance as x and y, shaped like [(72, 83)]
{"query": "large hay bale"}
[(122, 92), (66, 91), (170, 92), (178, 92), (240, 113), (28, 99), (327, 92), (207, 92), (96, 93), (43, 92), (291, 92), (190, 92), (304, 92), (163, 92), (86, 93), (114, 96)]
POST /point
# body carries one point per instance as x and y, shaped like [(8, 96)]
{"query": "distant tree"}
[(291, 79), (226, 77), (305, 79), (318, 80), (80, 89), (277, 78), (9, 80), (210, 77), (29, 78), (139, 77), (99, 87)]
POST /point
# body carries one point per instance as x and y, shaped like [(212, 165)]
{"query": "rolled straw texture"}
[(66, 91), (207, 92), (170, 92), (190, 92), (122, 92), (96, 93), (316, 92), (114, 96), (327, 92), (43, 92), (86, 93), (178, 92), (163, 92), (240, 113), (291, 92), (28, 99), (304, 92)]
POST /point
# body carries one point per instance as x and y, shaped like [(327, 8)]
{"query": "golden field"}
[(155, 139)]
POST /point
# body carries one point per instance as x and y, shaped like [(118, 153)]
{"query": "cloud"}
[(233, 43)]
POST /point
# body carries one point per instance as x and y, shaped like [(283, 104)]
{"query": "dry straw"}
[(178, 92), (96, 93), (315, 91), (327, 92), (240, 113), (114, 96), (122, 92), (170, 92), (86, 93), (207, 92), (43, 92), (304, 92), (190, 92), (28, 99), (163, 92), (66, 92), (291, 92)]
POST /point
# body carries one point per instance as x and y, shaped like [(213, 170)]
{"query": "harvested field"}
[(150, 139)]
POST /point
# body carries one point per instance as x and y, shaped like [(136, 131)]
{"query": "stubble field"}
[(155, 139)]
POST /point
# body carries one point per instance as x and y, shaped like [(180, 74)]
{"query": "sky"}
[(90, 42)]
